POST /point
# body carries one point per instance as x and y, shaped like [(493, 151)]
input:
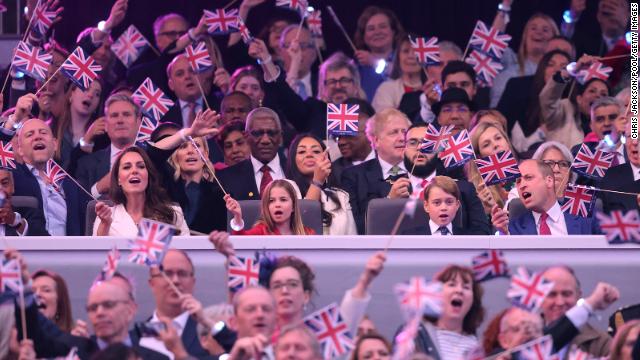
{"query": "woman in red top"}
[(280, 214)]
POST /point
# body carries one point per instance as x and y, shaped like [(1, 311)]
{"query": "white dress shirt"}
[(53, 205), (371, 155), (555, 220), (636, 172), (184, 108), (386, 168), (122, 223), (274, 166), (179, 322), (435, 229)]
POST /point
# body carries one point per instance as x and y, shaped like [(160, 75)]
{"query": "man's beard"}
[(421, 171)]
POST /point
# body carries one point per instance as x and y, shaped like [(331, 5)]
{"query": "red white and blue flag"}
[(498, 168), (619, 226), (528, 290), (242, 273), (314, 22), (32, 61), (434, 138), (154, 102), (597, 70), (485, 66), (489, 265), (147, 126), (7, 157), (130, 45), (43, 18), (342, 119), (590, 164), (577, 354), (152, 242), (198, 57), (10, 276), (405, 340), (295, 5), (331, 331), (578, 200), (419, 296), (111, 264), (427, 50), (244, 31), (54, 174), (80, 69), (538, 349), (457, 150), (221, 21), (489, 41)]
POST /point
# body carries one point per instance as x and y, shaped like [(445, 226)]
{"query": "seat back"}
[(310, 212), (24, 202), (382, 215)]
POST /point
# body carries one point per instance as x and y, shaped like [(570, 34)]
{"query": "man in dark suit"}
[(17, 221), (123, 116), (305, 81), (613, 19), (246, 179), (536, 188), (625, 177)]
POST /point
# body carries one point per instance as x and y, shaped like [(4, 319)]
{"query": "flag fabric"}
[(221, 21), (295, 5), (419, 296), (80, 69), (427, 50), (10, 276), (485, 66), (198, 57), (579, 200), (590, 164), (489, 41), (498, 168), (314, 22), (619, 226), (331, 331), (111, 264), (489, 265), (130, 45), (434, 138), (151, 243), (457, 150), (54, 174), (242, 273), (404, 341), (528, 290), (538, 349), (154, 102), (147, 126), (32, 61), (42, 18), (342, 119), (244, 31), (7, 157), (597, 70)]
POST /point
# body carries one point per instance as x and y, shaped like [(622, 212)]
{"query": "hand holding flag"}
[(331, 331)]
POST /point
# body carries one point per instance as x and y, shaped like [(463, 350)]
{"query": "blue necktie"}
[(443, 230)]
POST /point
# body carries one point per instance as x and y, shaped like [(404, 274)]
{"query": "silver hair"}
[(122, 97), (605, 101), (159, 22), (566, 154), (287, 30), (312, 341), (261, 113), (450, 46)]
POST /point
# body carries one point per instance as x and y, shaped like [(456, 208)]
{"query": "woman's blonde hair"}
[(206, 173), (522, 50), (297, 228)]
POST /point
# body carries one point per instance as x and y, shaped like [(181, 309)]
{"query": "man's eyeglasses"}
[(562, 164), (260, 133), (107, 305), (344, 81)]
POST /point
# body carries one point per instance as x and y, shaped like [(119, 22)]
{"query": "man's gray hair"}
[(261, 113), (289, 29), (159, 22), (336, 62), (605, 101), (313, 342), (122, 97), (450, 46)]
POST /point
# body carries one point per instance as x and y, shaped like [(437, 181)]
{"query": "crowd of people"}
[(251, 132)]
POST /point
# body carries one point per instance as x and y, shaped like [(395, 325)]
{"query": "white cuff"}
[(26, 228), (235, 226), (274, 77), (579, 314), (94, 191)]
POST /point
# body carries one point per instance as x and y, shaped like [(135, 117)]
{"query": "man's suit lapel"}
[(104, 161), (375, 177), (573, 224), (529, 224), (189, 335)]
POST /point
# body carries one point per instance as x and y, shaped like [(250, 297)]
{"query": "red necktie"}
[(192, 113), (544, 227), (266, 178)]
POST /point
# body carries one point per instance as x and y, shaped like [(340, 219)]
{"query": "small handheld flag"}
[(592, 164), (342, 119), (154, 102), (198, 57), (32, 61), (434, 138), (485, 66), (597, 70), (80, 69), (579, 200), (457, 150), (498, 168), (111, 264), (331, 331), (528, 290), (10, 276), (489, 265), (427, 50), (130, 45), (489, 41), (242, 272), (7, 157), (54, 174), (620, 227), (419, 296), (221, 21), (151, 244)]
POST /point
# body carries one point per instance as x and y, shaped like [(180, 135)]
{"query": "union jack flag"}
[(151, 243), (10, 276), (489, 265), (111, 264), (579, 200), (528, 290), (244, 31), (331, 331), (619, 226), (498, 168), (80, 69), (32, 61), (314, 22), (296, 5), (577, 354), (198, 57), (538, 349), (427, 50), (485, 66), (42, 18), (457, 150), (404, 341), (54, 174), (434, 138), (130, 45), (597, 70), (221, 21), (342, 119), (7, 157), (418, 296), (154, 102), (489, 41), (147, 126), (592, 165), (242, 272)]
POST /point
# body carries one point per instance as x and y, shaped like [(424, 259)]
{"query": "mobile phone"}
[(150, 328)]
